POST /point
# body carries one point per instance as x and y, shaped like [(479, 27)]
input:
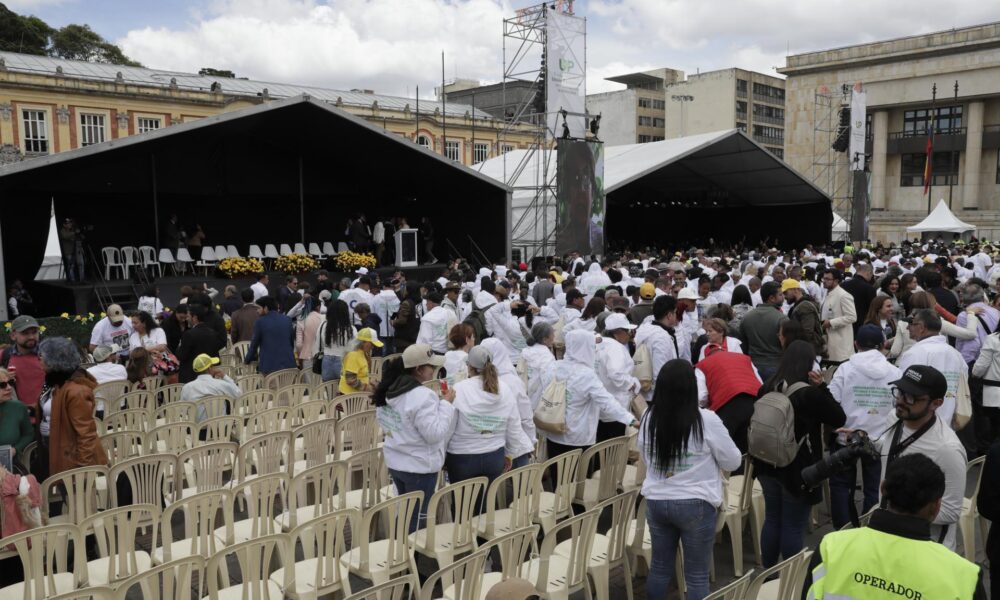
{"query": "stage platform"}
[(56, 296)]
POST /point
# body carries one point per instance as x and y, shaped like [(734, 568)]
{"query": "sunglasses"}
[(5, 384)]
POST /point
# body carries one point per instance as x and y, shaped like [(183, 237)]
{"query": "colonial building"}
[(898, 76), (50, 105)]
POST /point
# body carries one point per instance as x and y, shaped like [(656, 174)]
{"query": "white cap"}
[(362, 271), (617, 321), (687, 294)]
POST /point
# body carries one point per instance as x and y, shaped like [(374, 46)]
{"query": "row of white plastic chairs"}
[(123, 260)]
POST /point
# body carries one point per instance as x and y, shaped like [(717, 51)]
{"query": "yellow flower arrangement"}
[(350, 261), (296, 263), (237, 266)]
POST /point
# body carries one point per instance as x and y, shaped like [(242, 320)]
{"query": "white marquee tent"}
[(52, 262), (941, 220)]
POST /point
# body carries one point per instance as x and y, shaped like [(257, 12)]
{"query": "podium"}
[(406, 248)]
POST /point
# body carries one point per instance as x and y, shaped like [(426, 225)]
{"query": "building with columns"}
[(898, 76), (50, 105)]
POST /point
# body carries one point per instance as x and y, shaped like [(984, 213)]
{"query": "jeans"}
[(842, 488), (416, 482), (785, 520), (691, 521), (521, 461), (466, 466), (332, 367), (766, 372)]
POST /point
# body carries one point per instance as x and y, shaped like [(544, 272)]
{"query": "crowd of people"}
[(708, 354)]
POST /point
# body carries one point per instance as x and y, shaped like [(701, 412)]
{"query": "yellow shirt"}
[(354, 362)]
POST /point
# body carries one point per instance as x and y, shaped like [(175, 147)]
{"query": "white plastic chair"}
[(232, 252), (734, 591), (270, 251), (520, 506), (443, 541), (328, 249), (202, 515), (322, 543), (130, 258), (116, 531), (207, 259), (285, 249), (255, 252), (256, 561), (969, 518), (220, 252), (42, 553), (556, 505), (184, 258), (300, 248), (167, 258), (112, 261), (342, 247), (791, 574), (381, 560), (147, 254), (315, 251), (735, 510)]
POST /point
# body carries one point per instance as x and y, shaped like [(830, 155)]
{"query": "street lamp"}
[(682, 98)]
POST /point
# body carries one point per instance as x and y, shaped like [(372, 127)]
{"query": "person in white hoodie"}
[(417, 422), (861, 387), (614, 368), (500, 323), (685, 448), (537, 358), (586, 399), (435, 323), (932, 349), (487, 429), (514, 386), (660, 336), (594, 279)]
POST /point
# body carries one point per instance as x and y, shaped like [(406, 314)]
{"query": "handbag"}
[(165, 363), (317, 363), (551, 412)]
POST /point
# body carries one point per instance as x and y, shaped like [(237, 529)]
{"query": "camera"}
[(858, 446)]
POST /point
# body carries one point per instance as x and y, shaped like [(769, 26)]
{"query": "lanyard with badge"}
[(897, 447)]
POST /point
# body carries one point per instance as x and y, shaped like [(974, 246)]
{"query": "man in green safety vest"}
[(894, 556)]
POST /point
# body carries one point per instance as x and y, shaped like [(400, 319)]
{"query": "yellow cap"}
[(368, 335), (203, 362), (790, 284), (647, 290), (556, 276)]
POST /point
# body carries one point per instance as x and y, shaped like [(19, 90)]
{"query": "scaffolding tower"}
[(524, 43), (831, 169)]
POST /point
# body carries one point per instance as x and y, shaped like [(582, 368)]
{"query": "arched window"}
[(424, 141)]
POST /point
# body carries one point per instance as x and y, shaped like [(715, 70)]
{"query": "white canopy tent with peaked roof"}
[(941, 220)]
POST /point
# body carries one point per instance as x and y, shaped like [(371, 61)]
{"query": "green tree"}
[(80, 42), (217, 72), (29, 35)]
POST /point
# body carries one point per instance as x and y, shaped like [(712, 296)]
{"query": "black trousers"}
[(608, 431), (735, 415)]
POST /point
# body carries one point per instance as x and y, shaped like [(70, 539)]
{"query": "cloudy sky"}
[(392, 46)]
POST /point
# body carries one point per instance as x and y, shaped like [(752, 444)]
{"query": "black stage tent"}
[(720, 185), (285, 171)]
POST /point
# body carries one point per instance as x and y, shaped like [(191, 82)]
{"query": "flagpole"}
[(953, 169), (929, 170)]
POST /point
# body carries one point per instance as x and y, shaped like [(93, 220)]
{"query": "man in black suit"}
[(199, 339), (289, 296), (861, 288)]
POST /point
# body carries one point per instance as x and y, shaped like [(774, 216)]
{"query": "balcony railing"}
[(774, 141), (769, 99), (899, 135), (768, 119)]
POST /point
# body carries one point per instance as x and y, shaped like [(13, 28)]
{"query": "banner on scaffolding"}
[(566, 73), (859, 101), (580, 198)]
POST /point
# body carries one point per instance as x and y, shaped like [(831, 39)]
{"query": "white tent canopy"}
[(942, 220)]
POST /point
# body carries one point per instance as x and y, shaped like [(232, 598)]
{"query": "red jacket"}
[(728, 374), (28, 380)]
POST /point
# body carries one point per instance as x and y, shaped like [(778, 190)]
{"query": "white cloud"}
[(393, 45), (27, 6)]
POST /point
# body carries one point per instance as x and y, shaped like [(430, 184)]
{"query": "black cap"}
[(921, 380)]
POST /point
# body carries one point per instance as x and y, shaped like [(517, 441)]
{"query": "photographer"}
[(861, 387), (918, 395)]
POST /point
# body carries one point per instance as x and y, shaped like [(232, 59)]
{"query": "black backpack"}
[(477, 320)]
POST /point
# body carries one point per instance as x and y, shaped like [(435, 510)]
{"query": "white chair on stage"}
[(315, 251), (148, 256), (221, 253), (271, 253), (300, 248), (112, 260), (342, 247), (184, 258), (207, 259), (167, 258), (286, 249), (232, 252), (328, 249), (255, 252), (130, 259)]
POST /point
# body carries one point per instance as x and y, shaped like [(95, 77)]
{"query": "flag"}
[(928, 163)]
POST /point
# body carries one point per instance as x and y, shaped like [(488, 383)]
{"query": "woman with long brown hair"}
[(138, 367), (880, 313), (73, 440)]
